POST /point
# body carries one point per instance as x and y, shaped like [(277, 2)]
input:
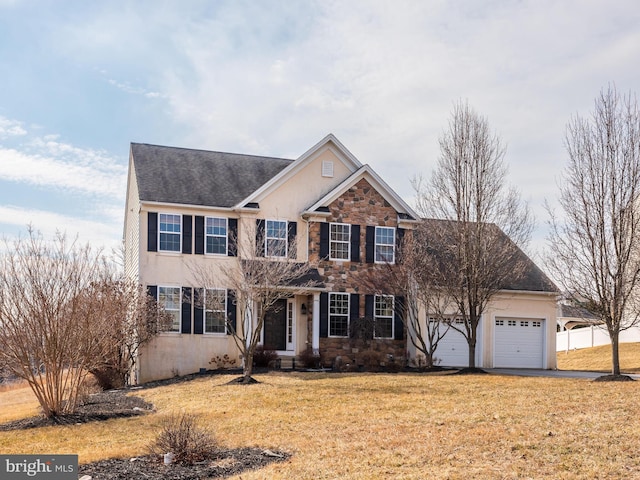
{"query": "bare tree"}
[(50, 333), (475, 250), (595, 245), (64, 312), (258, 284)]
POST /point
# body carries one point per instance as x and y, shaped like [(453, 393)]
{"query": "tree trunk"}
[(248, 366), (472, 353), (615, 355)]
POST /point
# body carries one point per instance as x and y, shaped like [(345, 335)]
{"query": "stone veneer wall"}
[(360, 205)]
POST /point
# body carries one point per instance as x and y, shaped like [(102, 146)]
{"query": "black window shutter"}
[(186, 310), (198, 311), (152, 232), (231, 312), (399, 238), (232, 238), (260, 237), (187, 229), (354, 306), (324, 241), (370, 243), (368, 306), (199, 234), (292, 232), (152, 291), (398, 318), (355, 243), (324, 315)]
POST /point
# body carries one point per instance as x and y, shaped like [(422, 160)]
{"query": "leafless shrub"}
[(181, 435)]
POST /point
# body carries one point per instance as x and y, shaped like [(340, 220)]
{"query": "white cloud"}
[(11, 128), (62, 166), (100, 234)]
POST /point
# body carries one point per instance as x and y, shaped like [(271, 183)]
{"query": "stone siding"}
[(360, 205)]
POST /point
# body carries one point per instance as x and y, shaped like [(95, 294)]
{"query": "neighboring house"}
[(575, 316), (187, 207)]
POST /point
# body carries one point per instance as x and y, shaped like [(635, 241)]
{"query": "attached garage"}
[(518, 343)]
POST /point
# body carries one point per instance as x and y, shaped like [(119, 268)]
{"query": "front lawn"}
[(364, 426)]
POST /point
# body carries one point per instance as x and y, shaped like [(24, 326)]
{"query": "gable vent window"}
[(327, 168)]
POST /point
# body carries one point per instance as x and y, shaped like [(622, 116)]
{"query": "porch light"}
[(303, 309)]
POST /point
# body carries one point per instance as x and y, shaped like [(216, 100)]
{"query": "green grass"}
[(380, 426), (598, 359)]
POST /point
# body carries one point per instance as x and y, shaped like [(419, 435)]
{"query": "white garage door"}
[(453, 350), (519, 343)]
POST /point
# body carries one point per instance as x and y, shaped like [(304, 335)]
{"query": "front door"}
[(275, 326)]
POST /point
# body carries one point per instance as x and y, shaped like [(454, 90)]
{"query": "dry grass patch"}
[(389, 426), (17, 401), (598, 359)]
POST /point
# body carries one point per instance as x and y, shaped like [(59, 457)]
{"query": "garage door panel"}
[(453, 350), (519, 343)]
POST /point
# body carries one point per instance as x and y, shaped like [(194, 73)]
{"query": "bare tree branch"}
[(595, 245), (475, 246)]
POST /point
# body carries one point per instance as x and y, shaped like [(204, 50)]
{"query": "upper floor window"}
[(338, 314), (169, 299), (216, 235), (383, 316), (385, 244), (215, 317), (276, 238), (169, 232), (339, 241)]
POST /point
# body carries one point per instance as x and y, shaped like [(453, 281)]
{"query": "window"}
[(536, 324), (500, 323), (215, 311), (216, 235), (169, 232), (511, 323), (385, 244), (383, 317), (524, 324), (276, 238), (169, 299), (338, 314), (339, 241)]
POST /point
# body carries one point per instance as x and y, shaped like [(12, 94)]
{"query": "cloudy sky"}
[(81, 80)]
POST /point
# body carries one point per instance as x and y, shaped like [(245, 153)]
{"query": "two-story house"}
[(189, 207)]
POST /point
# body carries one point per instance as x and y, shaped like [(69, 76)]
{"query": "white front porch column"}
[(315, 339)]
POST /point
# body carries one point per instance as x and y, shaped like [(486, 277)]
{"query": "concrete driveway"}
[(526, 372)]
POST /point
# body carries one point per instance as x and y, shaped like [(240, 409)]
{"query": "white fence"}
[(592, 337)]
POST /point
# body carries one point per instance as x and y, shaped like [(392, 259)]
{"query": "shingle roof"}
[(531, 279), (573, 311), (200, 177)]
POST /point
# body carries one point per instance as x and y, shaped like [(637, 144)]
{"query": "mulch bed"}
[(118, 404), (223, 464), (97, 407)]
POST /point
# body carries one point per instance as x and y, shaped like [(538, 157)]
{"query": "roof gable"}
[(330, 142), (200, 177), (367, 173)]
